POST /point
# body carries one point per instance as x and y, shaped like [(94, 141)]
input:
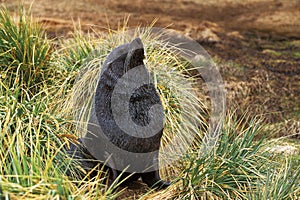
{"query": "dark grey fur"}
[(119, 61)]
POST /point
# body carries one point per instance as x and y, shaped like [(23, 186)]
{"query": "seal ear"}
[(135, 55)]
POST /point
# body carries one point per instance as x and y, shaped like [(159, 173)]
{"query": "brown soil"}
[(269, 16), (255, 42)]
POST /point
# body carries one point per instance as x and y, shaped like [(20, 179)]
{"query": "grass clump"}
[(25, 52), (239, 167), (33, 132)]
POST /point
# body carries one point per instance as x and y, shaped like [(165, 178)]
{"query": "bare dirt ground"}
[(255, 42), (270, 16)]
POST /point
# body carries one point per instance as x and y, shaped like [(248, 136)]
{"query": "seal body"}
[(124, 130)]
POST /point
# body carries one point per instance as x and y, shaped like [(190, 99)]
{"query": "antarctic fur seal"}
[(104, 132)]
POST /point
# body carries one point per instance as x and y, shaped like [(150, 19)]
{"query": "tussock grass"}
[(34, 164), (25, 52), (238, 168), (46, 89)]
